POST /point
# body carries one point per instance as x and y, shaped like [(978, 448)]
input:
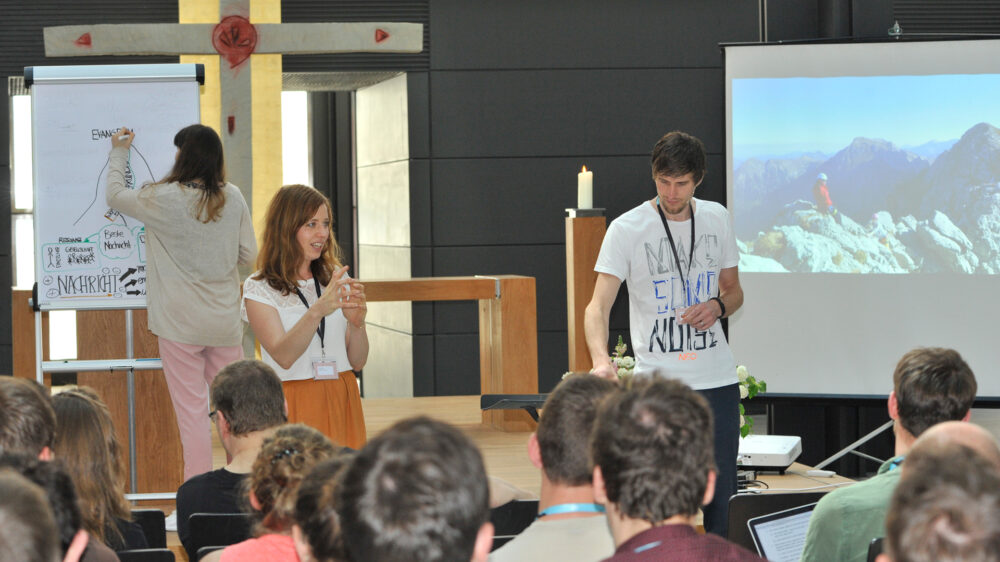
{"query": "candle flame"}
[(583, 169)]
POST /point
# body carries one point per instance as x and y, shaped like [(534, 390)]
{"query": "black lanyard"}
[(321, 329), (673, 247)]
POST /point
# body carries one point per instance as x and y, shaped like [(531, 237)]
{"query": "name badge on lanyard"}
[(323, 368)]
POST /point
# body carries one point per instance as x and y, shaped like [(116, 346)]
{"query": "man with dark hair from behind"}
[(416, 492), (654, 467), (27, 529), (569, 525), (930, 386), (56, 484), (27, 421), (248, 404), (946, 508)]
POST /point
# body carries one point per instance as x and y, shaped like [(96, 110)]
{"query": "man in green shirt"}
[(930, 385)]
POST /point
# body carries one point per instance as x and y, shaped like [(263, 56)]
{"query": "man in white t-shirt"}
[(678, 292)]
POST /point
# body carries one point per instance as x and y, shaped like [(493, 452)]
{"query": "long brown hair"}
[(280, 255), (88, 447), (200, 164), (284, 460)]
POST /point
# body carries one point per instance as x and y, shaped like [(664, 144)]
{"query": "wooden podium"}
[(585, 230)]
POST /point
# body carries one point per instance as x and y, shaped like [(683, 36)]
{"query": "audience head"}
[(931, 385), (27, 528), (281, 253), (60, 494), (678, 153), (248, 396), (88, 446), (27, 422), (317, 525), (652, 448), (944, 434), (284, 459), (416, 492), (562, 443), (945, 508)]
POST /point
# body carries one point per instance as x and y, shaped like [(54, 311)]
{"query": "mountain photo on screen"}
[(867, 174)]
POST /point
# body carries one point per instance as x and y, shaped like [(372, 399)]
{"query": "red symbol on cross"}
[(83, 41), (234, 38), (380, 35)]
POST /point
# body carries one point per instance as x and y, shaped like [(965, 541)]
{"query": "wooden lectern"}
[(584, 233)]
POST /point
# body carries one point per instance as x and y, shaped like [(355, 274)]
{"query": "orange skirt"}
[(331, 406)]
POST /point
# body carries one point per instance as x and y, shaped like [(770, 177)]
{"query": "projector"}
[(769, 452)]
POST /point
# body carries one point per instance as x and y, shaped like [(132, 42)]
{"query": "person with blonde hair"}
[(284, 460), (88, 447), (309, 315), (198, 230)]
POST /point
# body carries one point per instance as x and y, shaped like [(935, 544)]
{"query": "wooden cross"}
[(235, 39)]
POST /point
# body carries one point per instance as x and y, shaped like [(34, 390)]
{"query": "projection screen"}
[(863, 183)]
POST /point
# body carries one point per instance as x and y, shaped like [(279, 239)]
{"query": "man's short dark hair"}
[(678, 153), (249, 395), (27, 421), (945, 509), (565, 425), (27, 528), (418, 491), (654, 445), (932, 385), (58, 487)]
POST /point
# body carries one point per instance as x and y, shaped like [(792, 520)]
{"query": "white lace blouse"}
[(291, 309)]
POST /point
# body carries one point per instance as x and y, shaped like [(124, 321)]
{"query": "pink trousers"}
[(189, 370)]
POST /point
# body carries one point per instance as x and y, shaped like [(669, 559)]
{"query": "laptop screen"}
[(780, 536)]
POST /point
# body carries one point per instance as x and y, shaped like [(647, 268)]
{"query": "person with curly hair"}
[(284, 460), (309, 315), (88, 447)]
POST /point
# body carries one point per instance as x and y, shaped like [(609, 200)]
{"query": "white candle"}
[(584, 189)]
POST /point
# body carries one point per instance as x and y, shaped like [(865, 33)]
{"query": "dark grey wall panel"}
[(572, 112), (792, 19), (420, 202), (586, 33), (418, 108), (21, 23), (423, 365), (456, 368), (504, 201), (545, 262)]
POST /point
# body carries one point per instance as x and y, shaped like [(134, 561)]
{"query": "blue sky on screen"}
[(779, 116)]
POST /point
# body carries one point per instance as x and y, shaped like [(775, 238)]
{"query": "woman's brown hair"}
[(280, 255), (87, 446), (200, 164), (284, 460)]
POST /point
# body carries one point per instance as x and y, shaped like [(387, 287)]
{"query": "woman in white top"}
[(198, 229), (309, 316)]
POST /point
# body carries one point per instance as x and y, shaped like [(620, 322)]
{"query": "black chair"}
[(153, 524), (146, 554), (874, 549), (500, 540), (205, 550), (743, 507), (513, 517), (216, 529)]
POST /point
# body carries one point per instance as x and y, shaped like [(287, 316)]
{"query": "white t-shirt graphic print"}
[(637, 251)]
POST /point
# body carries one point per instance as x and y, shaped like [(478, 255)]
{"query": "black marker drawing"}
[(111, 214)]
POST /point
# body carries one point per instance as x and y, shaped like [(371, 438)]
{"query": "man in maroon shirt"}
[(654, 467)]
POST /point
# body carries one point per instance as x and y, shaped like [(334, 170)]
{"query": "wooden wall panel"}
[(101, 335)]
